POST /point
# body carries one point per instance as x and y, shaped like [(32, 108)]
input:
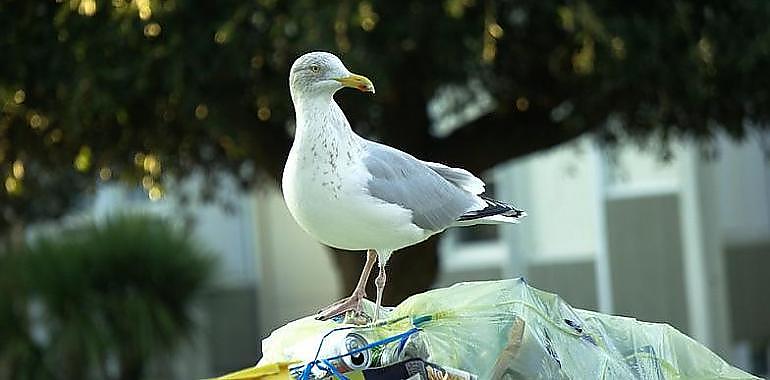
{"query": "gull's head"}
[(322, 74)]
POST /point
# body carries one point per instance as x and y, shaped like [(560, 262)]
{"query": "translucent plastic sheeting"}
[(509, 330)]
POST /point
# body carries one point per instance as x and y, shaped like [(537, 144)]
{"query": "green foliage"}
[(120, 290), (90, 89)]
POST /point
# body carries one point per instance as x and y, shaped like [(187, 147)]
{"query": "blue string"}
[(327, 361), (333, 369), (401, 345), (306, 372), (403, 336)]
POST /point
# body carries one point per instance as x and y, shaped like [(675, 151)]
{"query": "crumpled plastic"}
[(509, 330)]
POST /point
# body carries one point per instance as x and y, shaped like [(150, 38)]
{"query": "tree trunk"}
[(411, 270)]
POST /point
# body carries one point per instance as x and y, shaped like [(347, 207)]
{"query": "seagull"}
[(354, 194)]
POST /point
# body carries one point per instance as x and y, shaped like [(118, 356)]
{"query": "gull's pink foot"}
[(342, 306), (354, 301)]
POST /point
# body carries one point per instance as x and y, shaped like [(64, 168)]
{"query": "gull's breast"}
[(328, 200)]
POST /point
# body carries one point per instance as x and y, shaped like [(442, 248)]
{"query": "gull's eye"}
[(315, 68)]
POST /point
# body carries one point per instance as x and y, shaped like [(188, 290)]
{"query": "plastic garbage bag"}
[(497, 330)]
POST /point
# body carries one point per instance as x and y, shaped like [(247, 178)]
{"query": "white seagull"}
[(355, 194)]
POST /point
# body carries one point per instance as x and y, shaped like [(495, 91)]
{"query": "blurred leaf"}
[(122, 289)]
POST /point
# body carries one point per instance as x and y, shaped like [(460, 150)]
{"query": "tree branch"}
[(495, 137)]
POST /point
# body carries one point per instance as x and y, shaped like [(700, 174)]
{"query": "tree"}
[(139, 91)]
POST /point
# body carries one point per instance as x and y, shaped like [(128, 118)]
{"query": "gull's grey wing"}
[(399, 178), (460, 177)]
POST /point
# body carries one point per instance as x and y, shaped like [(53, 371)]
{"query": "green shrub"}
[(117, 292)]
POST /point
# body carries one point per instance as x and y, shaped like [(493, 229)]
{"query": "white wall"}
[(557, 188)]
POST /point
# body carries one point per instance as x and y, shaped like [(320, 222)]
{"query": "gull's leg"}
[(354, 301), (380, 283)]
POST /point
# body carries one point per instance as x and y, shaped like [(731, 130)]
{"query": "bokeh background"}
[(143, 231)]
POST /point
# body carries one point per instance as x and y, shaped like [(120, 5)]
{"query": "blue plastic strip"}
[(333, 369), (326, 362), (422, 319), (401, 345), (306, 371), (403, 336)]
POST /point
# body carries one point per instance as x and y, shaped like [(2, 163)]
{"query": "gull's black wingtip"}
[(494, 207)]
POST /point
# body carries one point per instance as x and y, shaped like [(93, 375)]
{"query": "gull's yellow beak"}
[(359, 82)]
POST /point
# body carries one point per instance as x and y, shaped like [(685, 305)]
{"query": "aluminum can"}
[(342, 344), (414, 347)]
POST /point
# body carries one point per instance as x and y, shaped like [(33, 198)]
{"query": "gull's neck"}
[(321, 122)]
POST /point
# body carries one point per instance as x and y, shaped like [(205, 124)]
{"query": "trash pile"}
[(499, 330)]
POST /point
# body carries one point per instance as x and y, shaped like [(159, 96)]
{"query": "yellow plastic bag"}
[(508, 330), (274, 371)]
